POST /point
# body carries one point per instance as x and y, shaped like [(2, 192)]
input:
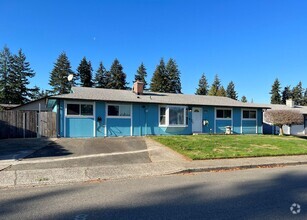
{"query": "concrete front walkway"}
[(164, 161)]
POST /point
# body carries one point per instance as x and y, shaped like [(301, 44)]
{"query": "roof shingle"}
[(114, 95)]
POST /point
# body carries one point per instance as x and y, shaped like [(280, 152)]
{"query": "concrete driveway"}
[(86, 152)]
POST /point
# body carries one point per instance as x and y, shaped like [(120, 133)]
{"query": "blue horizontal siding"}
[(249, 126), (100, 125), (79, 127), (145, 121), (208, 114), (221, 124), (236, 121), (118, 127)]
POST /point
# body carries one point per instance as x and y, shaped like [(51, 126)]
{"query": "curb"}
[(241, 167), (61, 176)]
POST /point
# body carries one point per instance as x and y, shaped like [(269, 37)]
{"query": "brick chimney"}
[(138, 87)]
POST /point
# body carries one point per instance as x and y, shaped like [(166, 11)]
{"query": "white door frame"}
[(200, 121)]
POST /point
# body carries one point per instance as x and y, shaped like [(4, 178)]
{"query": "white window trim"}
[(80, 103), (223, 109), (79, 116), (107, 107), (249, 119), (167, 116), (222, 119)]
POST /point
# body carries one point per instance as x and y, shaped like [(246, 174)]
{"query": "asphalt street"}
[(267, 193)]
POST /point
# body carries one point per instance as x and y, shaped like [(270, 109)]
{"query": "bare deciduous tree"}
[(283, 117)]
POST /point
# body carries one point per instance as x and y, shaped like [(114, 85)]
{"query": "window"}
[(176, 115), (119, 110), (223, 113), (113, 110), (86, 109), (249, 114), (73, 109), (80, 110), (173, 116), (162, 115)]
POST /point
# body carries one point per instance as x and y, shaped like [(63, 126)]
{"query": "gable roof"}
[(34, 105), (115, 95)]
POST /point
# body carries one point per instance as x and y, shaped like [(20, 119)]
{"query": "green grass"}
[(199, 147)]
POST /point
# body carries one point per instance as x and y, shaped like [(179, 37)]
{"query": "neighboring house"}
[(95, 112), (36, 105), (7, 106), (290, 130)]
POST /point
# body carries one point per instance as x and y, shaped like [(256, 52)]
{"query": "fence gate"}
[(27, 124)]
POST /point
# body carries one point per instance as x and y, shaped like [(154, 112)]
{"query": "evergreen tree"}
[(85, 73), (304, 102), (231, 92), (102, 78), (5, 84), (141, 75), (215, 87), (275, 92), (20, 72), (173, 76), (286, 94), (297, 94), (159, 79), (222, 92), (202, 86), (59, 75), (37, 93), (118, 77), (244, 99)]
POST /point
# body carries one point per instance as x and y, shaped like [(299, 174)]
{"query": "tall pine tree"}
[(222, 92), (59, 75), (304, 102), (173, 76), (102, 78), (141, 75), (38, 93), (5, 84), (286, 94), (244, 99), (85, 73), (231, 92), (275, 92), (215, 87), (202, 86), (159, 81), (20, 72), (118, 77), (297, 94)]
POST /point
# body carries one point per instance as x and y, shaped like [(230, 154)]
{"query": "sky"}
[(251, 42)]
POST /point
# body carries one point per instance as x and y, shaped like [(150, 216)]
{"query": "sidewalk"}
[(164, 162)]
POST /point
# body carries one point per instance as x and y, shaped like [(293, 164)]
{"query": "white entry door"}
[(197, 120)]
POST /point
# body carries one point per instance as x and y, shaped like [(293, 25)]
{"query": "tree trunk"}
[(281, 131)]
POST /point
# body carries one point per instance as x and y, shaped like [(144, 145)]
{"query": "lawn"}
[(199, 147)]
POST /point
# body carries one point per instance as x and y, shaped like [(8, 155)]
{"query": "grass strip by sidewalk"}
[(199, 147)]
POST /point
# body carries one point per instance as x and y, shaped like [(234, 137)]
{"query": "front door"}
[(197, 120)]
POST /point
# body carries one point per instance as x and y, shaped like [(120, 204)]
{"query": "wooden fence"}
[(27, 124)]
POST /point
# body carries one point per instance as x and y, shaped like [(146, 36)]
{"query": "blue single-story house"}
[(95, 112)]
